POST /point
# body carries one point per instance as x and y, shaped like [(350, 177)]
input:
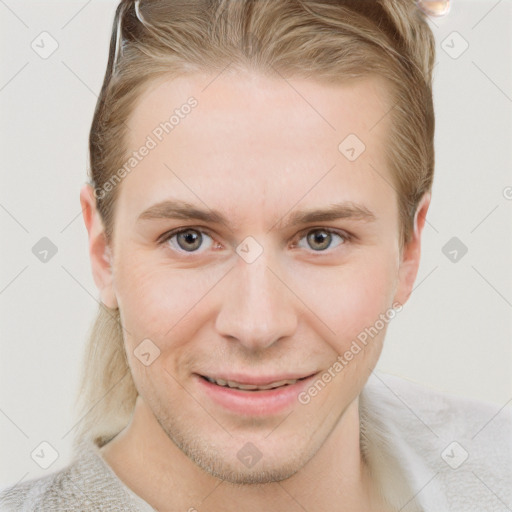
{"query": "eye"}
[(320, 239), (187, 240), (191, 239)]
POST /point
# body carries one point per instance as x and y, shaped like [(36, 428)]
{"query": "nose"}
[(257, 307)]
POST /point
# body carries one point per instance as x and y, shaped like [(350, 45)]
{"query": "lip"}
[(254, 403)]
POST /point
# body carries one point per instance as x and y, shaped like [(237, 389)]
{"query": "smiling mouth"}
[(253, 387)]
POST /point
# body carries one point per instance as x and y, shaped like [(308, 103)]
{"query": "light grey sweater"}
[(428, 451)]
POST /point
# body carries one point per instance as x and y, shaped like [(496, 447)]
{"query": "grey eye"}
[(189, 240), (321, 239)]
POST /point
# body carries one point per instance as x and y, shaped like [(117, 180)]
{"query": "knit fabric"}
[(433, 451)]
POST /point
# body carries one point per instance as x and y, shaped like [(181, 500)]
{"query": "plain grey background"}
[(455, 332)]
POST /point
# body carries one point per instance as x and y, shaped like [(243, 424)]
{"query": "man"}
[(261, 175)]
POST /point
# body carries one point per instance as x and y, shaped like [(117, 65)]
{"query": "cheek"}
[(164, 305), (158, 301), (352, 298)]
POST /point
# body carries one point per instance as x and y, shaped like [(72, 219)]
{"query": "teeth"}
[(251, 387)]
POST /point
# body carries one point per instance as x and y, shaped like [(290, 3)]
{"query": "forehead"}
[(263, 104), (249, 136)]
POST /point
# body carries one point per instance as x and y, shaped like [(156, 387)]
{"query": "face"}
[(248, 248)]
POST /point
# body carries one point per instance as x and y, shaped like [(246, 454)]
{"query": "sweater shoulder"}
[(451, 414), (86, 484), (464, 443), (54, 492)]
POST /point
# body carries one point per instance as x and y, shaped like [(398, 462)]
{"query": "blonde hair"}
[(331, 41)]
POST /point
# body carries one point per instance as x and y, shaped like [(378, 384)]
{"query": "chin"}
[(221, 462), (261, 474)]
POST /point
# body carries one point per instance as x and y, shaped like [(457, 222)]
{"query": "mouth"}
[(253, 396), (253, 387)]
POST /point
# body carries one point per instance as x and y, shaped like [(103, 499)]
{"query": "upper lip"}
[(256, 380)]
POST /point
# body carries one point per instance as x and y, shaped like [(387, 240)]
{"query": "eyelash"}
[(347, 237)]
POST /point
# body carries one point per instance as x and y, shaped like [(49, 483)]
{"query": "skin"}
[(256, 151)]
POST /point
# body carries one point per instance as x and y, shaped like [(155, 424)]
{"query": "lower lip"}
[(254, 403)]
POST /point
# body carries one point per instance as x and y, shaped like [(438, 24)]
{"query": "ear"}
[(99, 251), (411, 252)]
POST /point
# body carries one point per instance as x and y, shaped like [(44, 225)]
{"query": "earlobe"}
[(411, 253), (99, 251)]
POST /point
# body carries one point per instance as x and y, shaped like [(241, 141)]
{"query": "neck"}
[(335, 478)]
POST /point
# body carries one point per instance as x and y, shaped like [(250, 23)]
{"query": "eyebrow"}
[(175, 209)]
